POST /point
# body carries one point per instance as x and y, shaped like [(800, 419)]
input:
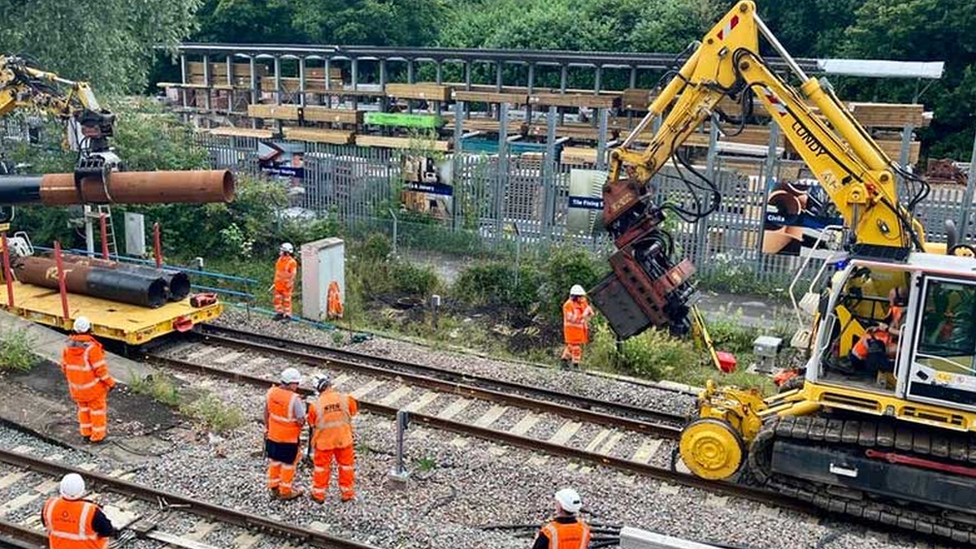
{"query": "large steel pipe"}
[(58, 189), (111, 284), (177, 282)]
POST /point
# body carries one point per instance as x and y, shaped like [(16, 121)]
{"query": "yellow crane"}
[(882, 427)]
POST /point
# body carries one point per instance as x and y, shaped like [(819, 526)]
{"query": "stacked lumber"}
[(636, 99), (582, 132), (318, 73), (589, 100), (491, 97), (332, 116), (241, 77), (240, 132), (275, 112), (489, 125), (293, 85), (577, 155), (401, 143), (423, 90), (889, 115), (318, 135)]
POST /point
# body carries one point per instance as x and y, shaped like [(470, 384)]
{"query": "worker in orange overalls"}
[(897, 301), (576, 332), (284, 281), (284, 416), (331, 417), (75, 523), (334, 302), (89, 381), (566, 530)]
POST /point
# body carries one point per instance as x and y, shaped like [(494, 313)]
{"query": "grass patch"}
[(425, 464), (214, 413), (16, 353), (161, 388)]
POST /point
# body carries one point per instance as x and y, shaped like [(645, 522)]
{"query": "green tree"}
[(370, 22), (253, 21), (107, 42)]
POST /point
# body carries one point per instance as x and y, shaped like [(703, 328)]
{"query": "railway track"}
[(161, 518), (470, 411)]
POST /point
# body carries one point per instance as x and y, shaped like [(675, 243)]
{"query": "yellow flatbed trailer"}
[(132, 324)]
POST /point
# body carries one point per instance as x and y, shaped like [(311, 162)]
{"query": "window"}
[(947, 329)]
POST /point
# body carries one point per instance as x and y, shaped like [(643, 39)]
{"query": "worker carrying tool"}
[(331, 415), (576, 332), (75, 523), (284, 415), (566, 530), (89, 381), (284, 281), (334, 301)]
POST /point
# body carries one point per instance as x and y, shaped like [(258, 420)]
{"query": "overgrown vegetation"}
[(204, 407), (16, 351)]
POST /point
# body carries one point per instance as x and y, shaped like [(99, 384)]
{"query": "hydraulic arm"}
[(649, 286)]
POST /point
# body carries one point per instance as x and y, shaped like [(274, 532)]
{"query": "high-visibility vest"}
[(573, 535), (860, 349), (575, 315), (83, 364), (285, 268), (283, 426), (896, 313), (69, 524), (333, 413)]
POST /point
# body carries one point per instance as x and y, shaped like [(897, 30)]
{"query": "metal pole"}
[(89, 232), (277, 80), (207, 83), (967, 201), (399, 472), (102, 227), (328, 83), (393, 215), (301, 81), (601, 143), (254, 93), (7, 275), (549, 174), (502, 173), (157, 245), (59, 262), (531, 88), (904, 154), (518, 251)]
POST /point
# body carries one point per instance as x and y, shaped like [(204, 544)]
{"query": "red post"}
[(157, 246), (102, 228), (7, 277), (64, 293)]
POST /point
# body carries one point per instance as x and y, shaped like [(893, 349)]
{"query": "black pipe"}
[(20, 189), (127, 287), (177, 282)]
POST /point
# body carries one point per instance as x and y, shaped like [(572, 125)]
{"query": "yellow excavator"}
[(882, 427)]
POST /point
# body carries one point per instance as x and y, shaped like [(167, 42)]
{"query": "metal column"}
[(710, 172), (770, 169), (385, 100), (410, 81), (601, 144), (967, 201), (354, 80), (328, 83), (277, 80), (208, 83), (456, 160), (904, 153), (439, 78), (229, 61), (531, 88), (563, 78), (255, 95), (301, 81), (501, 178), (549, 176), (184, 74)]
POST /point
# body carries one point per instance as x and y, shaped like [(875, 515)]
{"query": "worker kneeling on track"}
[(89, 381), (331, 416), (284, 416), (576, 332), (75, 523), (566, 530)]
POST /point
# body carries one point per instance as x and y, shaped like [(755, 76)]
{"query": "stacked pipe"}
[(134, 284), (61, 189)]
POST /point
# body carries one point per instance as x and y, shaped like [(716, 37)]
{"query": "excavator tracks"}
[(856, 437)]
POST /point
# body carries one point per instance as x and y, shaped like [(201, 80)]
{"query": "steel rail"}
[(454, 382), (191, 505), (493, 435), (21, 537)]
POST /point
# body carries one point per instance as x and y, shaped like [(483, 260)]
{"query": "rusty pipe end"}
[(160, 187), (230, 186)]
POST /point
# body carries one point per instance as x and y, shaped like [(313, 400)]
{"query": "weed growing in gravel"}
[(426, 464), (15, 351), (214, 414), (159, 387)]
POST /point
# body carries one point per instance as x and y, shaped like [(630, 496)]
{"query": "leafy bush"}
[(214, 413), (652, 354), (412, 279), (161, 388), (16, 352), (375, 249), (566, 266), (493, 283)]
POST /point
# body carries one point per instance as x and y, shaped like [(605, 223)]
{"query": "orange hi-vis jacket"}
[(83, 363), (331, 414), (285, 269), (574, 535), (334, 300), (69, 524), (860, 349), (575, 315), (283, 426)]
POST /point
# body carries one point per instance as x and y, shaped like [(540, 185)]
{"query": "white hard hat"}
[(321, 381), (569, 500), (82, 325), (291, 375), (72, 486), (287, 248), (577, 290)]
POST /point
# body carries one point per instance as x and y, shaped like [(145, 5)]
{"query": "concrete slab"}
[(48, 344)]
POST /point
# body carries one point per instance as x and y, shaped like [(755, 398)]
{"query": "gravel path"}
[(569, 382)]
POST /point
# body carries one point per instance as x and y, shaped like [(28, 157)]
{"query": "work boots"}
[(292, 494)]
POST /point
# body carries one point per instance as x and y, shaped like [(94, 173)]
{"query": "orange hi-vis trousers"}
[(346, 458), (93, 418), (282, 301), (281, 475), (573, 351)]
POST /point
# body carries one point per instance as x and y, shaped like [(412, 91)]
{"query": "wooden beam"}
[(276, 112), (490, 97), (424, 90), (241, 132), (335, 116), (317, 135), (575, 100), (400, 143)]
